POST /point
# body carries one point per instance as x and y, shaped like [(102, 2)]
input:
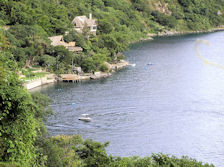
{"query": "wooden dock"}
[(73, 78), (87, 76)]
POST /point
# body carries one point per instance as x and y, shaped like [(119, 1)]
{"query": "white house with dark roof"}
[(80, 21)]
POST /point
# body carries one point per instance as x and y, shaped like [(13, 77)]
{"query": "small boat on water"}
[(133, 65), (85, 118)]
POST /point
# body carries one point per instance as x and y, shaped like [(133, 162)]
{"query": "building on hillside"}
[(58, 41), (80, 21), (6, 27), (219, 13)]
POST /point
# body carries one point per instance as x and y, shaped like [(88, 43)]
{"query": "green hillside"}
[(119, 23), (25, 28)]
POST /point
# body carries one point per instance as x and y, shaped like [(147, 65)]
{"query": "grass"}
[(9, 164), (29, 75)]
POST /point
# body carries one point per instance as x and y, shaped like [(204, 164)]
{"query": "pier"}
[(87, 76), (73, 77)]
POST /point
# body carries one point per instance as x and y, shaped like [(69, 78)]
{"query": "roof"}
[(71, 44), (6, 27), (80, 21), (75, 49), (56, 40), (219, 13)]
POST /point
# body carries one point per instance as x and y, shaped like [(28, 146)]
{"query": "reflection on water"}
[(169, 102)]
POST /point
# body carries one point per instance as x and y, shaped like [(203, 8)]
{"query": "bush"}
[(93, 154), (18, 125), (164, 20), (103, 67)]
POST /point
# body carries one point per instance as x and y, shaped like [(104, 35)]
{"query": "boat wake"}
[(133, 65)]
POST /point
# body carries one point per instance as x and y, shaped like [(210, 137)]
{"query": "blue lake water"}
[(174, 105)]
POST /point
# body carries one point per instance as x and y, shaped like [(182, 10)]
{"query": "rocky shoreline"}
[(52, 78), (151, 36), (174, 32), (111, 67), (49, 78)]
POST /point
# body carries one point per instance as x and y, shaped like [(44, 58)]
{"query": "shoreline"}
[(166, 33), (174, 32), (49, 78), (112, 68), (53, 78)]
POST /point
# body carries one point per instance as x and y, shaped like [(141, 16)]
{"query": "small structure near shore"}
[(74, 77), (86, 76), (77, 70), (58, 41), (49, 78)]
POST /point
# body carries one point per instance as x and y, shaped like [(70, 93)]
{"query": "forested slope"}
[(119, 23), (23, 138)]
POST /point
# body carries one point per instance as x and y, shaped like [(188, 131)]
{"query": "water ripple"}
[(175, 106)]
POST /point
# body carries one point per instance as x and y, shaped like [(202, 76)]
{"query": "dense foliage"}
[(24, 140), (23, 137), (119, 23), (72, 151), (17, 122)]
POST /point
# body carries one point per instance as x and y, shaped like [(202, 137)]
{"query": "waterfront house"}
[(79, 23), (58, 41)]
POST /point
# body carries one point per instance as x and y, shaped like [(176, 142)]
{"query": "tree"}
[(4, 44), (88, 64), (105, 26), (93, 154), (17, 123)]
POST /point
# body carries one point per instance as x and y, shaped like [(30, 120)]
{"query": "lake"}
[(170, 102)]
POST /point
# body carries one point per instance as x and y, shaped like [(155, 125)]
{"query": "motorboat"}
[(133, 65), (85, 118)]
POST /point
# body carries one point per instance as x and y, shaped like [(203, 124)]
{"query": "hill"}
[(25, 28), (120, 22)]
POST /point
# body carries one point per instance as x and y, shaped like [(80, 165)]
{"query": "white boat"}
[(85, 118), (133, 65)]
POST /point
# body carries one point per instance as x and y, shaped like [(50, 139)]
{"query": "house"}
[(58, 41), (219, 13), (80, 21), (6, 27)]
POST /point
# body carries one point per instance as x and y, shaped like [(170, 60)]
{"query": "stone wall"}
[(38, 82)]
